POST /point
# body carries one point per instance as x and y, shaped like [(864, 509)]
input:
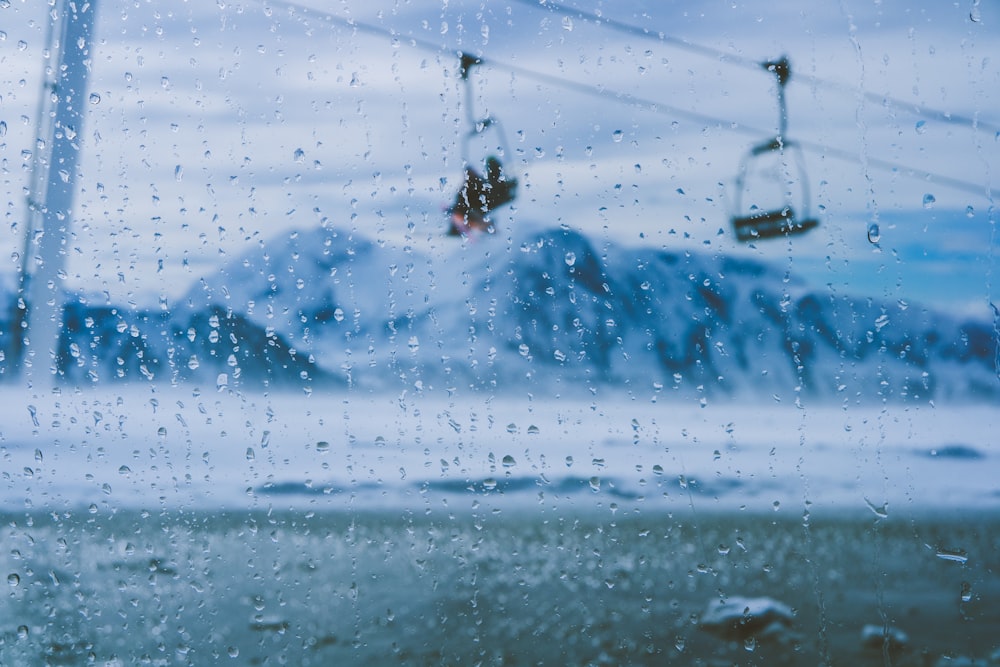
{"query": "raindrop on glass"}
[(873, 233), (929, 200)]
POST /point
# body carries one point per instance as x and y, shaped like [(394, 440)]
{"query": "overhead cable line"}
[(633, 100), (744, 61)]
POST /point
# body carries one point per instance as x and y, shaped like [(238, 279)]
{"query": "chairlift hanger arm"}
[(782, 70)]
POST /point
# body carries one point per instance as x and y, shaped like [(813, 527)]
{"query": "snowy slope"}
[(546, 309)]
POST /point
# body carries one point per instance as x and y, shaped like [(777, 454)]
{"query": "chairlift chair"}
[(772, 175)]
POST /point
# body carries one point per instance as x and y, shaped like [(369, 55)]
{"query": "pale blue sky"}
[(221, 125)]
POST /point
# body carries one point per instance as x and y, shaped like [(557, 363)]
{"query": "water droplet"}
[(299, 155), (250, 455), (323, 446), (95, 98), (929, 200), (162, 431), (124, 470), (22, 632), (338, 314), (873, 233), (193, 363), (33, 411), (881, 511), (508, 461), (489, 484), (569, 461), (265, 439), (595, 483), (750, 643), (921, 126), (953, 555), (234, 652), (3, 128), (13, 579), (969, 211), (178, 173), (567, 24), (617, 135), (966, 591), (570, 259)]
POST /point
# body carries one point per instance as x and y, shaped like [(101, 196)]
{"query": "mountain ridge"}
[(545, 309)]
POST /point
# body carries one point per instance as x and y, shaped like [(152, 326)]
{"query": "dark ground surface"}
[(578, 588)]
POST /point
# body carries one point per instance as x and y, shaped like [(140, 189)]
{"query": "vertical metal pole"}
[(60, 126)]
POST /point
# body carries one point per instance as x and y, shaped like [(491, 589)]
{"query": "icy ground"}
[(142, 447)]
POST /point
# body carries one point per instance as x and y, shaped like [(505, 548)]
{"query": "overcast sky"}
[(218, 125)]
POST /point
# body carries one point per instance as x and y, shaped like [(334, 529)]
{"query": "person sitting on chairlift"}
[(478, 197)]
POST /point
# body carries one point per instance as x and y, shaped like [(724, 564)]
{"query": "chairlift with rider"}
[(486, 186)]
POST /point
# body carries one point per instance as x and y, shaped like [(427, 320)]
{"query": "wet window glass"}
[(530, 332)]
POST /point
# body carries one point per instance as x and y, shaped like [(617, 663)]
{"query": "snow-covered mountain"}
[(547, 308)]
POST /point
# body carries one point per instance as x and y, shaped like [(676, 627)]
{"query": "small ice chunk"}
[(877, 636), (740, 618)]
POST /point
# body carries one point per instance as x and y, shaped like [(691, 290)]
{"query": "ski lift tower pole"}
[(53, 185)]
